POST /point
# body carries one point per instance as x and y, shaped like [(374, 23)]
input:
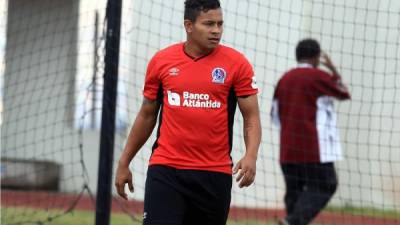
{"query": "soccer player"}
[(193, 88), (309, 139)]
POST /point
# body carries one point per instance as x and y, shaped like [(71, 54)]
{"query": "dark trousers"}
[(309, 187), (186, 197)]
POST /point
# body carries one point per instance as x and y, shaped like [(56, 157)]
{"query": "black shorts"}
[(186, 197)]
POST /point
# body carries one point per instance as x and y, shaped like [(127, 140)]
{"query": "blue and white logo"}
[(218, 75)]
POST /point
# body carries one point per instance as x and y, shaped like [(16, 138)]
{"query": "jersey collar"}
[(304, 65), (201, 57)]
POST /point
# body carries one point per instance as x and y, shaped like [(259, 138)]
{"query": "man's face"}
[(206, 31)]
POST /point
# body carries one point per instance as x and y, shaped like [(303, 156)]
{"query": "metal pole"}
[(103, 200)]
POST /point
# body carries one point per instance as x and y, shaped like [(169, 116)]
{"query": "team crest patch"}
[(218, 75)]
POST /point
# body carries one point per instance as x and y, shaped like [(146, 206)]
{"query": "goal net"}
[(52, 71), (362, 38)]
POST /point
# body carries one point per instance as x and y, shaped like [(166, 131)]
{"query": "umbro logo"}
[(254, 82), (174, 71)]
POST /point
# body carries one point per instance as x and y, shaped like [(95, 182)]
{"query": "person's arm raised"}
[(327, 62)]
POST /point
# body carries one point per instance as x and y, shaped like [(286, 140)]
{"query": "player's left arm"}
[(246, 167)]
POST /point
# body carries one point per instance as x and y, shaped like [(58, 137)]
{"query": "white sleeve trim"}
[(275, 114), (328, 134)]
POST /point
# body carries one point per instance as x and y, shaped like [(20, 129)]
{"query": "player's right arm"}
[(334, 85), (141, 130)]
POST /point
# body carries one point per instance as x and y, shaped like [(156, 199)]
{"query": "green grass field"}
[(13, 215), (372, 212)]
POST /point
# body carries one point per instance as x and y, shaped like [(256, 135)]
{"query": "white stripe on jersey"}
[(328, 134)]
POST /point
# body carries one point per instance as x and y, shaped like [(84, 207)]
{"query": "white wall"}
[(363, 38), (40, 65)]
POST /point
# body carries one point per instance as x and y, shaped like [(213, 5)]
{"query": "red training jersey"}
[(198, 102), (303, 108)]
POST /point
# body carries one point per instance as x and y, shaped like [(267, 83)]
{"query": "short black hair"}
[(194, 7), (307, 49)]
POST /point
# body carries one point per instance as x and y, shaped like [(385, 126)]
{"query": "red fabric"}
[(297, 93), (194, 130)]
